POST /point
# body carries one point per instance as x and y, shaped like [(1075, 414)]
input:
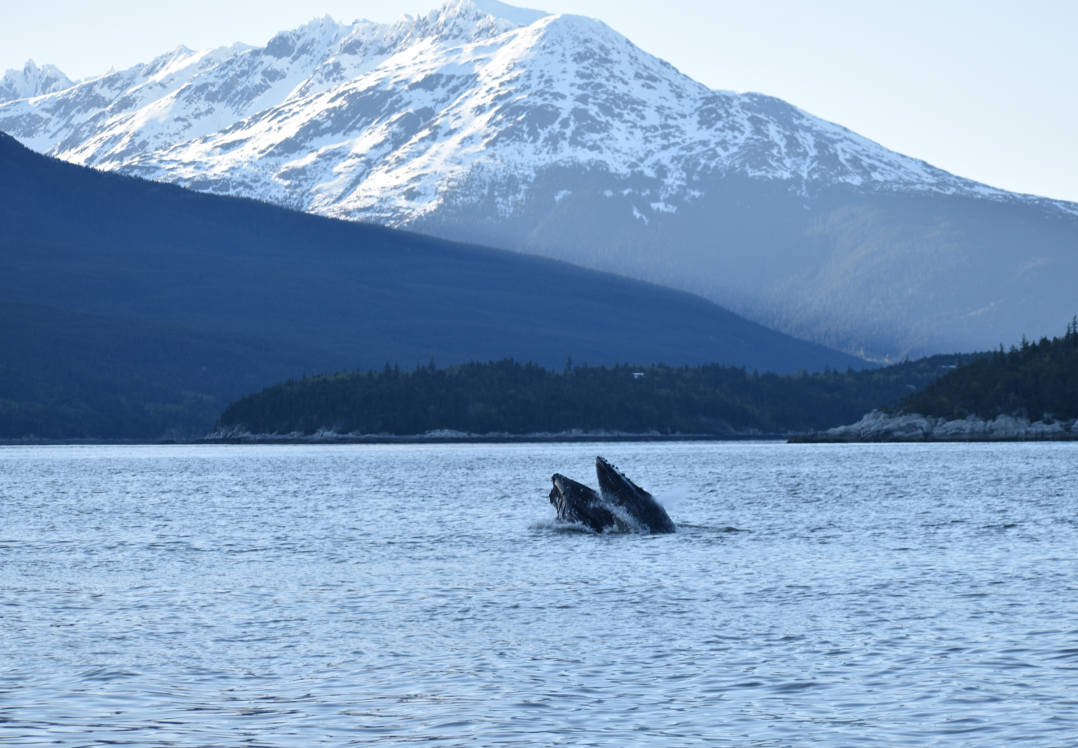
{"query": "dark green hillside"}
[(519, 399), (77, 239), (1036, 378), (65, 375), (153, 279)]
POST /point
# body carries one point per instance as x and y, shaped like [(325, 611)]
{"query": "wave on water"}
[(707, 529), (557, 525)]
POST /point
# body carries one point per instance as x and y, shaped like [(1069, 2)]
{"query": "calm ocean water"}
[(826, 595)]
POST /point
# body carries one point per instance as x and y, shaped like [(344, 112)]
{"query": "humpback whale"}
[(619, 491), (619, 504)]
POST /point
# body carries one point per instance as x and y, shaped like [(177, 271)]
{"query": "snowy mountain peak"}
[(298, 42), (32, 81)]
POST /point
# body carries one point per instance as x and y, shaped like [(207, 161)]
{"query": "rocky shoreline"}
[(878, 426), (231, 435)]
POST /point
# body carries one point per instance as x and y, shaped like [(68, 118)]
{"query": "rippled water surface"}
[(831, 595)]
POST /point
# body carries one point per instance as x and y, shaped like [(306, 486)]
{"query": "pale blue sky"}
[(986, 89)]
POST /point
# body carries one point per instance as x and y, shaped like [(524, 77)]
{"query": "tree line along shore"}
[(1029, 393), (1034, 380), (509, 397)]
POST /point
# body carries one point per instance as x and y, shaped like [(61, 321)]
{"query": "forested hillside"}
[(1035, 379), (71, 376), (510, 397)]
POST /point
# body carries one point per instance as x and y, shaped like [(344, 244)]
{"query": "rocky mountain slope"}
[(554, 135)]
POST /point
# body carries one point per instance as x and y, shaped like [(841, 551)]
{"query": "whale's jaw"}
[(581, 505), (626, 498)]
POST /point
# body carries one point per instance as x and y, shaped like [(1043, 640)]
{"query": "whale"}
[(619, 504), (621, 493), (580, 505)]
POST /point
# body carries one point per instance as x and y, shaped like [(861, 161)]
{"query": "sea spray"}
[(672, 498)]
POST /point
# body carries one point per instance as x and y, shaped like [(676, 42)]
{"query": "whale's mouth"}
[(558, 493)]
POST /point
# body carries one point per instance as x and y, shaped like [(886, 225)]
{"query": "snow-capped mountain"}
[(548, 133), (32, 81), (387, 122)]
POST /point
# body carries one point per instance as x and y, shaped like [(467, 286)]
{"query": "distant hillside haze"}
[(556, 136), (215, 296)]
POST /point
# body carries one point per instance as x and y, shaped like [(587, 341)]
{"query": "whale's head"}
[(577, 503), (613, 482), (557, 493), (567, 490), (621, 493)]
